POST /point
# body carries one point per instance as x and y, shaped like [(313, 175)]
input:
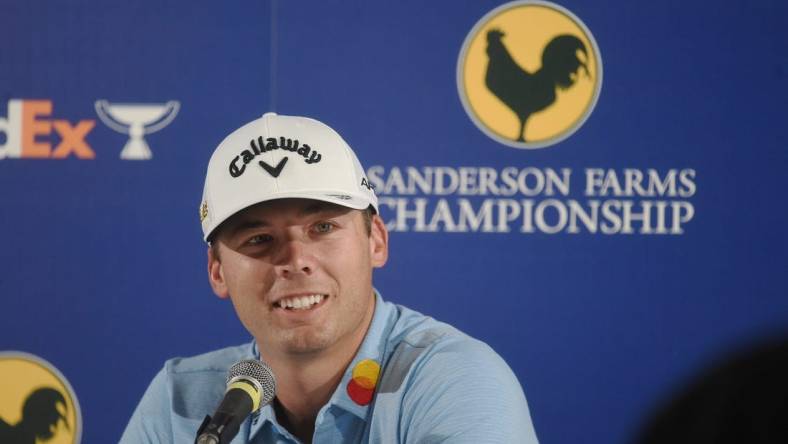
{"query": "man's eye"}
[(324, 227), (259, 239)]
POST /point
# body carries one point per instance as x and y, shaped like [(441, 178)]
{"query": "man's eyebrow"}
[(248, 225), (320, 207)]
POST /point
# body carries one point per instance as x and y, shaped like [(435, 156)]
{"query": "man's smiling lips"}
[(300, 302)]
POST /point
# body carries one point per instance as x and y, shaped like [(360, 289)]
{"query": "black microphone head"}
[(258, 373)]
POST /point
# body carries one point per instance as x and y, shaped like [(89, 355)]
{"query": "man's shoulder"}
[(208, 371), (180, 395), (416, 330), (419, 344), (213, 361), (433, 373)]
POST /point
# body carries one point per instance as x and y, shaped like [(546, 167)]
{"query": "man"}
[(294, 235)]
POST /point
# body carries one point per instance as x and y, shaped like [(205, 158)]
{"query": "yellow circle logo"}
[(37, 403), (529, 74), (361, 387)]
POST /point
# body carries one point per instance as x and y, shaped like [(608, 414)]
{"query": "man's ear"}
[(378, 242), (216, 273)]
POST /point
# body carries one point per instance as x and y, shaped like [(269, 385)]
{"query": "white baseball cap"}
[(276, 157)]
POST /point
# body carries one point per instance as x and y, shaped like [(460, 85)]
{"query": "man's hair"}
[(366, 213)]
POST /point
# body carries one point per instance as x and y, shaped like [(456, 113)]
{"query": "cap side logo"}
[(38, 403), (529, 74), (203, 211), (260, 146)]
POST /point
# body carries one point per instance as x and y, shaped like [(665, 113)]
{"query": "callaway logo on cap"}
[(276, 157)]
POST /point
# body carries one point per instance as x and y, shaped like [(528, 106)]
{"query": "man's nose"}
[(295, 257)]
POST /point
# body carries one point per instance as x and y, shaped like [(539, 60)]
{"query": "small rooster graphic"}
[(40, 417), (526, 93)]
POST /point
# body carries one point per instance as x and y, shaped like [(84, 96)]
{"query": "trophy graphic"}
[(136, 120)]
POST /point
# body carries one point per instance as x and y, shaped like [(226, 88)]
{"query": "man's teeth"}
[(301, 303)]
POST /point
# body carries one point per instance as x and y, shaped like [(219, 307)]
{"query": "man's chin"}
[(306, 343)]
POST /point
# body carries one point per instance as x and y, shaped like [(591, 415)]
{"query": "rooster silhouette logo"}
[(38, 405), (40, 417), (527, 93), (529, 74)]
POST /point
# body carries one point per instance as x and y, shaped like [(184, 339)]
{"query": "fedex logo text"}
[(27, 120)]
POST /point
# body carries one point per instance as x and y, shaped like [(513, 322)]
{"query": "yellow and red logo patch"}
[(361, 387)]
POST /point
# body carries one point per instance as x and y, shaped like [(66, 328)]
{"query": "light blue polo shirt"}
[(436, 384)]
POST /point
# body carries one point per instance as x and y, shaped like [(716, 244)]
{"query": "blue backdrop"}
[(103, 267)]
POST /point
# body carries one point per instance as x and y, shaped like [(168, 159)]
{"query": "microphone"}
[(250, 385)]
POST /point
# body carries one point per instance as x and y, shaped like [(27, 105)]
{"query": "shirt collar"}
[(373, 348)]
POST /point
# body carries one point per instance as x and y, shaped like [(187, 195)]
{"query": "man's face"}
[(299, 273)]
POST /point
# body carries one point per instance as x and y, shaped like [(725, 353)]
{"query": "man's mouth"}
[(301, 302)]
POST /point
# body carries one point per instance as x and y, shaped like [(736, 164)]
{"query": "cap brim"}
[(339, 198)]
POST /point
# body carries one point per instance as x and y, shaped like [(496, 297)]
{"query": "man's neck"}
[(305, 387), (308, 381)]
